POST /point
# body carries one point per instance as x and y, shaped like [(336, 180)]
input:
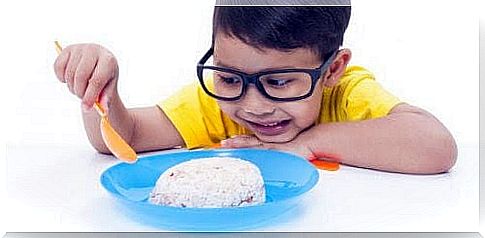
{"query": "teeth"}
[(272, 124)]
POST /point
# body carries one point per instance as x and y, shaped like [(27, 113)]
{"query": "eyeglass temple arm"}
[(207, 55), (329, 60)]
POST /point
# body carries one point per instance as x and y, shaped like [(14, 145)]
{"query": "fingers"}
[(83, 72), (60, 64), (241, 141), (89, 70), (71, 68), (102, 76), (251, 141)]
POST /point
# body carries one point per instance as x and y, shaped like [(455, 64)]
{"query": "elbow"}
[(441, 156), (449, 154), (431, 147), (437, 151)]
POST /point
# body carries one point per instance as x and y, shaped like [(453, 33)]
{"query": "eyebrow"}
[(219, 63)]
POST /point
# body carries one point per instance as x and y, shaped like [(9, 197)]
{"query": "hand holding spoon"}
[(111, 138)]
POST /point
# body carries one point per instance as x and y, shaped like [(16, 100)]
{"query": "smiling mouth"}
[(270, 128)]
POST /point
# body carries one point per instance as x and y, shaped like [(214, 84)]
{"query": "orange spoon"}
[(111, 138), (317, 159)]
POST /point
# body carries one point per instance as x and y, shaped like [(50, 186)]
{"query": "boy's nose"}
[(255, 103)]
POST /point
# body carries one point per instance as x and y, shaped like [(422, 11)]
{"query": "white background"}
[(425, 52)]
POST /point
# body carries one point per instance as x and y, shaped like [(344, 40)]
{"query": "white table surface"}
[(56, 188)]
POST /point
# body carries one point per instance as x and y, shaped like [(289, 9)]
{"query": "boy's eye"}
[(230, 80), (278, 82)]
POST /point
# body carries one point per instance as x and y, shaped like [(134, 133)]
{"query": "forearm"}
[(119, 118), (407, 142)]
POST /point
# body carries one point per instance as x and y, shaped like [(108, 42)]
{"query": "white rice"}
[(210, 183)]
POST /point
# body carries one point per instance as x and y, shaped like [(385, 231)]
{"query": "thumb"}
[(106, 94)]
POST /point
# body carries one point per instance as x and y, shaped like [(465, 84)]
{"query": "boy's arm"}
[(91, 73), (407, 140), (145, 129)]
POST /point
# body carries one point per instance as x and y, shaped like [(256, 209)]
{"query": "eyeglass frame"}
[(315, 75)]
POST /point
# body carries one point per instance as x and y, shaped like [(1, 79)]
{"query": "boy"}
[(278, 80)]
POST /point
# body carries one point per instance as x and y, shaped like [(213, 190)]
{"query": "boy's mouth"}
[(270, 128)]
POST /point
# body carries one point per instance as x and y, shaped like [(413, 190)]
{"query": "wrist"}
[(316, 139), (308, 139)]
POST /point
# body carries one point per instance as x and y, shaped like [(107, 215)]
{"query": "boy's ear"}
[(337, 68)]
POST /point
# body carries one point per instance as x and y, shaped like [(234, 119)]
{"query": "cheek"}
[(227, 108), (305, 112)]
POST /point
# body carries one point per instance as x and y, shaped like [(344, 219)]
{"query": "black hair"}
[(319, 28)]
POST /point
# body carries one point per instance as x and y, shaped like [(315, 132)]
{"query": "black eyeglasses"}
[(280, 85)]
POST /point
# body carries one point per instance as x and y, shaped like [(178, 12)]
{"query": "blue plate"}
[(286, 177)]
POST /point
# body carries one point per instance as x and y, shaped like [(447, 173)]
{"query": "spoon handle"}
[(99, 109)]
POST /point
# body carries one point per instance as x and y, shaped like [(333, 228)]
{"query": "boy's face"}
[(270, 121)]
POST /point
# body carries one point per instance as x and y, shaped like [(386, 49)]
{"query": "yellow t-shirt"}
[(201, 123)]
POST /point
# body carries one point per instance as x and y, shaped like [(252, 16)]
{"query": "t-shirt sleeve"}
[(196, 117), (358, 96), (367, 99)]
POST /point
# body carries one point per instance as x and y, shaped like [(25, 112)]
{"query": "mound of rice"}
[(210, 183)]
